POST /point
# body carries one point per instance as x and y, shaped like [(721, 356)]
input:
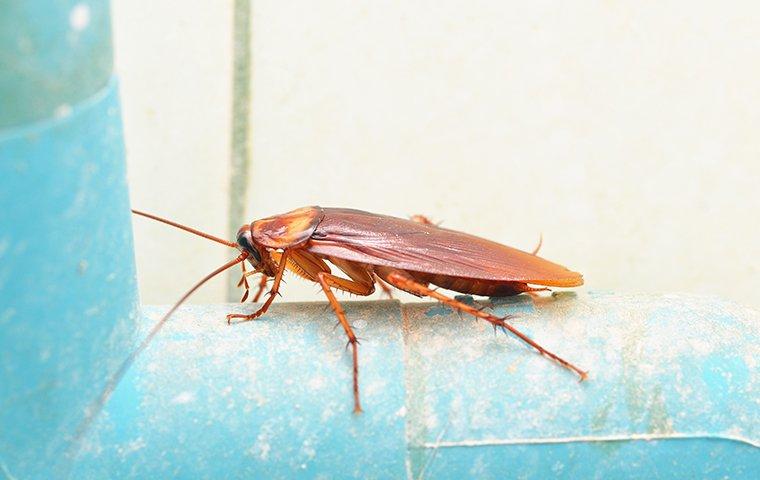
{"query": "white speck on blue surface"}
[(79, 18)]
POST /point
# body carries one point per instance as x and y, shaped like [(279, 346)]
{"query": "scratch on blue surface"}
[(6, 473), (441, 309), (569, 295), (124, 403), (592, 293), (502, 305), (438, 310)]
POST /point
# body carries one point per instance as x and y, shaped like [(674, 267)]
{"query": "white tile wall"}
[(626, 132)]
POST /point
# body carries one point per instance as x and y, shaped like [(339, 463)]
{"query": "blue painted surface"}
[(264, 399), (672, 393), (54, 54), (672, 390), (633, 459), (68, 297)]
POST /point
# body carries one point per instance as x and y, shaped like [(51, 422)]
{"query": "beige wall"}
[(625, 132), (174, 66)]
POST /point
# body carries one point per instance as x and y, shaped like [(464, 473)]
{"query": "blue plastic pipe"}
[(672, 393), (68, 298)]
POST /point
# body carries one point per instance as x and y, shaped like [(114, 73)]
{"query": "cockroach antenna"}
[(186, 228)]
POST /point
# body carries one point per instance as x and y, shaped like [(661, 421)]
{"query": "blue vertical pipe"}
[(68, 296)]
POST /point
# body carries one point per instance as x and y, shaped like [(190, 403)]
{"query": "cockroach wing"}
[(394, 242), (288, 230)]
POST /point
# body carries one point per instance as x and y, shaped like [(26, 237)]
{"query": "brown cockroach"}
[(368, 248), (371, 249)]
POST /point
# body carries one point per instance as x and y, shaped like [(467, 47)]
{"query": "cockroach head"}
[(246, 244)]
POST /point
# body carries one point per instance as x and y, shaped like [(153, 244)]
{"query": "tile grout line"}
[(240, 147)]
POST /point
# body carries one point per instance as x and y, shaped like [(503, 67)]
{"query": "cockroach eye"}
[(244, 240)]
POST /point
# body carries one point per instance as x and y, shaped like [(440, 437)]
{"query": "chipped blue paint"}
[(438, 310)]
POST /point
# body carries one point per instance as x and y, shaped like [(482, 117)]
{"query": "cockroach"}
[(410, 255)]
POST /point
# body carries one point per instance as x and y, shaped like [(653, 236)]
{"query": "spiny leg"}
[(325, 280), (386, 289), (244, 282), (260, 288), (272, 293), (262, 285), (405, 282), (361, 282)]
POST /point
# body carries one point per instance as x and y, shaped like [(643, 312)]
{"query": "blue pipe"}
[(672, 393), (68, 295)]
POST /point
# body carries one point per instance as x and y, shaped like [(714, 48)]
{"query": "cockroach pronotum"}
[(410, 255)]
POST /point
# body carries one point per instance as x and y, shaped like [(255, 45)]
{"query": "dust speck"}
[(62, 111), (262, 447), (79, 17), (308, 449), (183, 398), (82, 266), (317, 382), (45, 355)]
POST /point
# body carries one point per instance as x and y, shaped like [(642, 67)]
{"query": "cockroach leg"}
[(534, 293), (404, 281), (386, 288), (325, 279), (422, 219), (272, 293), (244, 282), (246, 275), (540, 242), (262, 285), (482, 305)]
